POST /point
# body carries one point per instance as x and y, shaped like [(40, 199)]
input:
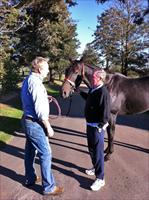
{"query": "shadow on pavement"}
[(12, 174), (140, 121), (68, 131), (9, 124), (81, 134), (130, 146), (84, 181), (70, 108)]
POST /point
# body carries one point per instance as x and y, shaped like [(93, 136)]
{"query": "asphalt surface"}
[(126, 174)]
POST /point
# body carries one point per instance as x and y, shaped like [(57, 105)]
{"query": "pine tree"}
[(30, 28), (118, 38), (90, 56), (49, 32), (9, 23)]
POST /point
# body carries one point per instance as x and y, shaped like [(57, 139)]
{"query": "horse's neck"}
[(108, 78), (88, 71), (87, 76)]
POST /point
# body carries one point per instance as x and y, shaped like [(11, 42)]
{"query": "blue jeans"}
[(96, 150), (37, 140)]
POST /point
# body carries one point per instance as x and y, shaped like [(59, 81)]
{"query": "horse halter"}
[(73, 84)]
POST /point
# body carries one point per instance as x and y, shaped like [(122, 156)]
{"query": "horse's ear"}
[(108, 70), (82, 59), (71, 60)]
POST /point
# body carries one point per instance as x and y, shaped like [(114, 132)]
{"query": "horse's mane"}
[(91, 66), (113, 80), (114, 75), (119, 74)]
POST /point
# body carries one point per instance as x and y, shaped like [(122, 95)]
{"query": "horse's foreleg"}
[(110, 132)]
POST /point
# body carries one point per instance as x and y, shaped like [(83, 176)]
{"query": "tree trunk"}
[(50, 76)]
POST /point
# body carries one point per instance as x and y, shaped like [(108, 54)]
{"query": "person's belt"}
[(31, 119), (39, 122)]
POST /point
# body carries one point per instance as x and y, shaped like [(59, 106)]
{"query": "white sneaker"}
[(90, 172), (97, 184)]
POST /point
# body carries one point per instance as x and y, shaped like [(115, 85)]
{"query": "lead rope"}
[(70, 102), (52, 99)]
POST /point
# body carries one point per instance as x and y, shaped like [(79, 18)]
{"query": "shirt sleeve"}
[(40, 100)]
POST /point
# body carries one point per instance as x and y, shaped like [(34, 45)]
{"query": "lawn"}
[(11, 113)]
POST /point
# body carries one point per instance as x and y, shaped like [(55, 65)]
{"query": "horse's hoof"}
[(107, 157)]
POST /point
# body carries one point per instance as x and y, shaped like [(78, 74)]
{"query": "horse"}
[(128, 95)]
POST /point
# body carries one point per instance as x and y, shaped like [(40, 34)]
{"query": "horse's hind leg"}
[(110, 132)]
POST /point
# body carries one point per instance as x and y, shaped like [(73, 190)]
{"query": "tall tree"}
[(29, 28), (90, 56), (118, 38), (138, 16), (9, 23), (49, 32)]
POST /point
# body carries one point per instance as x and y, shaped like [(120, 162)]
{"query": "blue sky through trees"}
[(85, 15)]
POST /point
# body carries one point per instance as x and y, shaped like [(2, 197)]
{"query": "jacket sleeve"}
[(105, 112), (84, 95)]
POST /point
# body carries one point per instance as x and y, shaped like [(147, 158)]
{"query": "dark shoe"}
[(57, 191), (28, 184)]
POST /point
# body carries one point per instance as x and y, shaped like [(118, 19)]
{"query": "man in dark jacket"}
[(97, 114)]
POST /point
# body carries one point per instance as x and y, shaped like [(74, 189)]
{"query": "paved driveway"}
[(126, 174)]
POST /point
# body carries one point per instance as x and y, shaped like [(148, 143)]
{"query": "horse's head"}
[(73, 77)]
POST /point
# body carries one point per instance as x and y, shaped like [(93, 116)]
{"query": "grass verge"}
[(10, 120), (53, 88), (11, 113)]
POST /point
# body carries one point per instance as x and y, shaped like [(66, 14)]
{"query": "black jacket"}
[(97, 108)]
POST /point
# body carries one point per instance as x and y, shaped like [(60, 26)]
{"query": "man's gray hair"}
[(37, 63)]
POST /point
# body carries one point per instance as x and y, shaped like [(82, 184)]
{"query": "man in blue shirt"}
[(37, 127)]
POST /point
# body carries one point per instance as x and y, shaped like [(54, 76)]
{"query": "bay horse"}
[(128, 95)]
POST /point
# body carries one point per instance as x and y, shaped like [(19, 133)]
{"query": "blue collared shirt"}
[(96, 88), (34, 98)]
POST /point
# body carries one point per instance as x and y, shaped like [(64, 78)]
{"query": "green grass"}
[(10, 121), (11, 113), (53, 89)]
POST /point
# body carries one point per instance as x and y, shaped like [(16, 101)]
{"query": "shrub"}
[(10, 77)]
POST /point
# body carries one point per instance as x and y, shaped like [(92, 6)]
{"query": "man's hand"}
[(49, 129)]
